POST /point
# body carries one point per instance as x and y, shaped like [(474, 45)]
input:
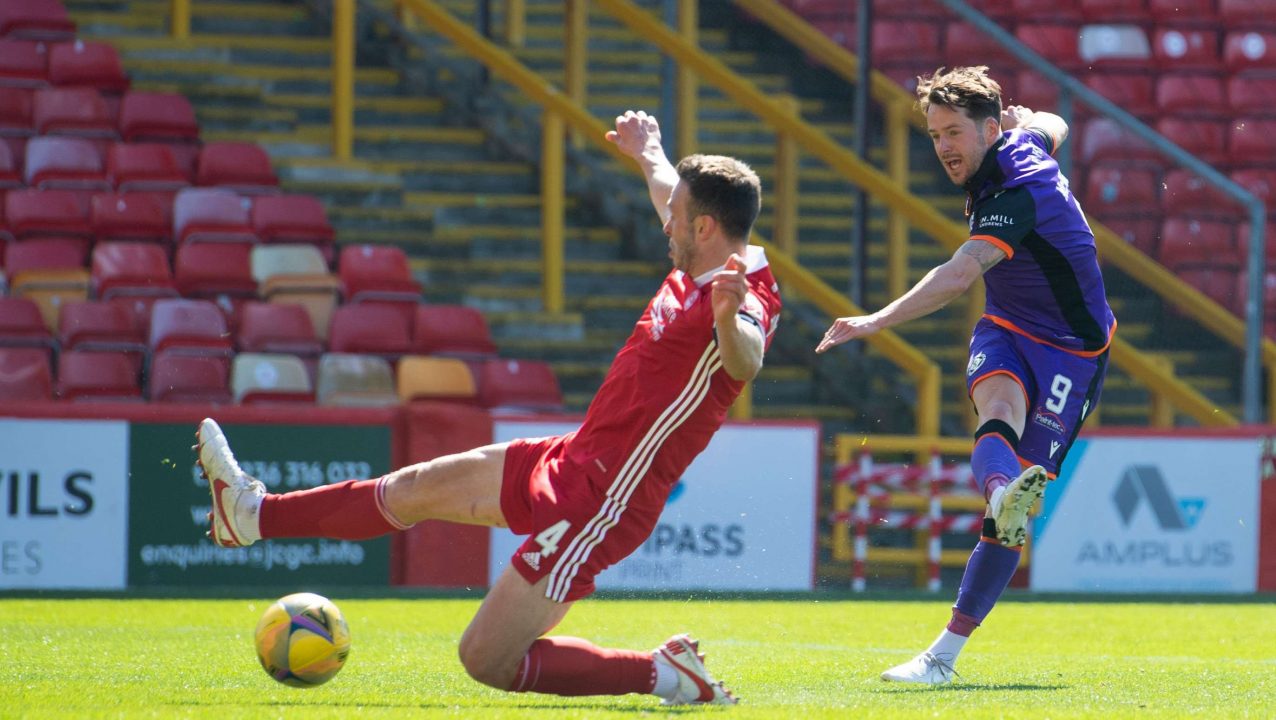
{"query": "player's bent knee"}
[(481, 663)]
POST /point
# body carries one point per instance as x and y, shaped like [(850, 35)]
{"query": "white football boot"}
[(236, 495), (925, 669), (695, 685), (1010, 508)]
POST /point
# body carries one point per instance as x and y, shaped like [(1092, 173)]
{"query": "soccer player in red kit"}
[(589, 498)]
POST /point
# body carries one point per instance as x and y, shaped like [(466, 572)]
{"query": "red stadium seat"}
[(139, 217), (1191, 95), (519, 385), (1252, 96), (1185, 241), (1249, 50), (1252, 142), (207, 270), (21, 325), (1243, 13), (1121, 191), (377, 272), (24, 63), (34, 213), (293, 219), (72, 111), (167, 117), (1218, 281), (211, 215), (10, 178), (146, 167), (1261, 183), (1110, 11), (260, 379), (131, 268), (83, 63), (1130, 91), (15, 112), (189, 379), (1182, 11), (1269, 243), (35, 20), (190, 327), (897, 42), (1177, 49), (1108, 47), (49, 253), (64, 163), (1142, 233), (1103, 139), (454, 330), (100, 325), (277, 328), (97, 376), (966, 45), (1206, 139), (1032, 90), (240, 166), (1055, 42), (888, 9), (24, 375), (369, 330), (1186, 193)]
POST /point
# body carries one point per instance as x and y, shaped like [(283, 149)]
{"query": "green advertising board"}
[(169, 503)]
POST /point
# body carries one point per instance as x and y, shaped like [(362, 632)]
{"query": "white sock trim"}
[(666, 678)]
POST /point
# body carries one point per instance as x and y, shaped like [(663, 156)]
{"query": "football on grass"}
[(302, 640)]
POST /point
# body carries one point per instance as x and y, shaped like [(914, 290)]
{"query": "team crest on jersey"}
[(976, 362)]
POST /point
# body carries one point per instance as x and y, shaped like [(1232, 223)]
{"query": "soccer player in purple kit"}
[(1039, 353)]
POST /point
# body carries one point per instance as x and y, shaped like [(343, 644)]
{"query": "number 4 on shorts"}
[(549, 537)]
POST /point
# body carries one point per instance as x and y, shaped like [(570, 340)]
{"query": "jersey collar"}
[(754, 260), (987, 172)]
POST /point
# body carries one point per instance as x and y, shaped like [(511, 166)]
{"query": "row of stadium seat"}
[(87, 112), (270, 378), (51, 272), (1121, 190), (30, 63), (36, 20), (1220, 13)]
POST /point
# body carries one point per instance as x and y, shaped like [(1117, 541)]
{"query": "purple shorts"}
[(1061, 388)]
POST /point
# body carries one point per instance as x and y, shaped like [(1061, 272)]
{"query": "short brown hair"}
[(962, 87), (723, 188)]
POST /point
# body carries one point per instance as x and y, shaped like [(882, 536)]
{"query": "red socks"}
[(350, 510), (572, 666)]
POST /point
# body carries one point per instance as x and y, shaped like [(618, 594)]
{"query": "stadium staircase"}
[(462, 201)]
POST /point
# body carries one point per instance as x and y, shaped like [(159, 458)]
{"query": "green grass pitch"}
[(810, 658)]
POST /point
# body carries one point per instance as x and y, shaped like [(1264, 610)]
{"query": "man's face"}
[(959, 141), (681, 230)]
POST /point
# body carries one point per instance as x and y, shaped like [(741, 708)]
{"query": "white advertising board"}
[(1151, 514), (741, 518), (63, 504)]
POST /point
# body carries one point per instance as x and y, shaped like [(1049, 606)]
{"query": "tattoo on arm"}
[(984, 253)]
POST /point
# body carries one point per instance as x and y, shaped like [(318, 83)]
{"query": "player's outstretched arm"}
[(637, 134), (740, 342), (940, 286)]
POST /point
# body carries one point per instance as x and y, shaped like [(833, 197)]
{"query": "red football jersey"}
[(666, 393)]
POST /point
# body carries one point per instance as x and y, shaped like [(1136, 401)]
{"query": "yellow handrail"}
[(891, 194), (343, 79)]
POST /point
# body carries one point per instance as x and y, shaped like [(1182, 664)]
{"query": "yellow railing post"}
[(785, 193), (742, 408), (180, 19), (552, 184), (515, 23), (1161, 413), (897, 223), (575, 52), (343, 79), (687, 84)]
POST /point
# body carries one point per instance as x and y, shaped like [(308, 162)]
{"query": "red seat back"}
[(1250, 50), (1186, 241), (454, 330), (1206, 139), (157, 117), (97, 325), (1118, 191), (519, 385), (369, 329), (240, 166), (142, 217), (131, 268), (72, 111), (191, 327), (24, 375), (189, 379), (376, 272), (277, 328), (31, 213), (1252, 142), (1178, 49), (133, 167), (35, 20), (24, 63), (1191, 95), (87, 63), (210, 269), (97, 375), (49, 253), (211, 215)]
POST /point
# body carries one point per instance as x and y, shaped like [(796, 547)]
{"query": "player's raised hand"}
[(847, 328), (1015, 116), (729, 288), (635, 132)]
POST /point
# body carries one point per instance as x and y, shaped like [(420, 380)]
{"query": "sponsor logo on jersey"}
[(1054, 447), (996, 220), (976, 362), (1049, 421)]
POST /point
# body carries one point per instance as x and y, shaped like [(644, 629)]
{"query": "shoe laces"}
[(944, 667)]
